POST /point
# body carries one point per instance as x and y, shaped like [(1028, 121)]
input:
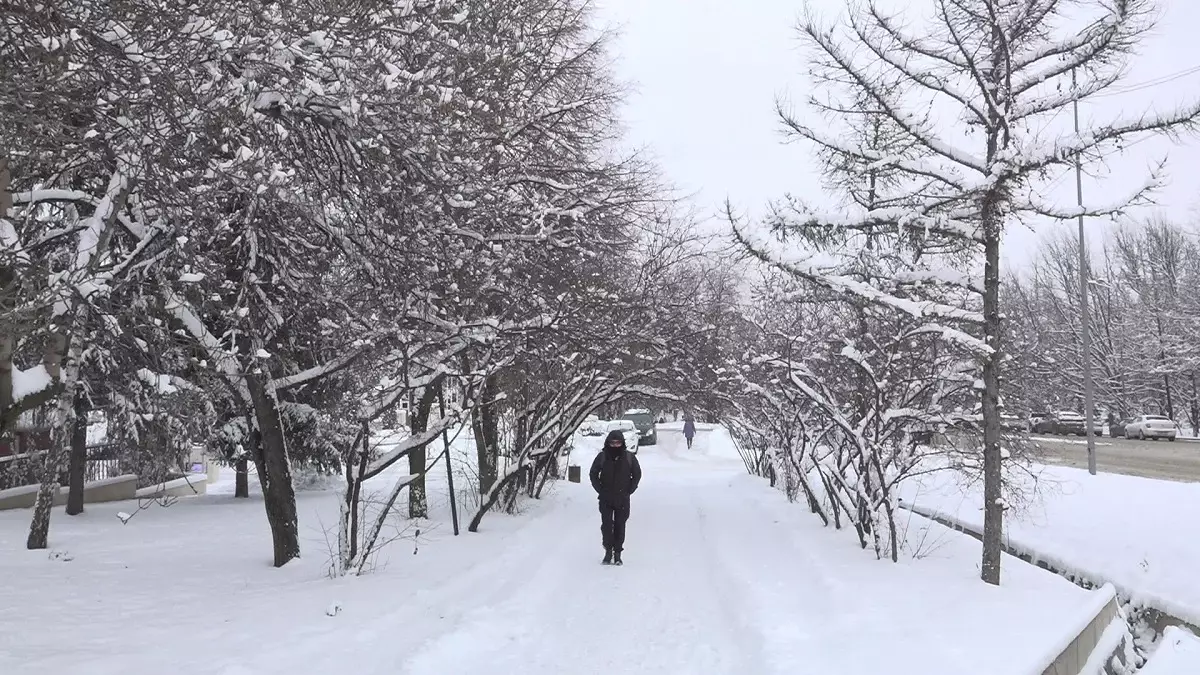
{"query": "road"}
[(1179, 461)]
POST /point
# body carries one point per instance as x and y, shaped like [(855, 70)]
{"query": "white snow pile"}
[(722, 575), (1178, 653), (1106, 528), (29, 382)]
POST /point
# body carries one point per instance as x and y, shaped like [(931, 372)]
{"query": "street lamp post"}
[(1085, 326)]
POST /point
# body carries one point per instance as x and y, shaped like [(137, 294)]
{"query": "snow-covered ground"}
[(723, 575), (1136, 533), (1178, 653)]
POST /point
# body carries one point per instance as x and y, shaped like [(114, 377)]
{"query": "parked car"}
[(592, 426), (1063, 422), (1035, 419), (1151, 426), (644, 421), (1011, 423), (627, 429)]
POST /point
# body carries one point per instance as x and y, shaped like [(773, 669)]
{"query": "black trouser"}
[(689, 440), (612, 524)]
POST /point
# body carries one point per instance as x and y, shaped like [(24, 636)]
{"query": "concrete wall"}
[(1084, 647), (107, 490), (1080, 648)]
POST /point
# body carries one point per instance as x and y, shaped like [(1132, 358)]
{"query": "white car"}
[(592, 426), (628, 429), (1151, 426)]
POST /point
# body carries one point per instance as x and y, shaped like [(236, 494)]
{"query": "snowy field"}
[(1178, 654), (1136, 533), (723, 575)]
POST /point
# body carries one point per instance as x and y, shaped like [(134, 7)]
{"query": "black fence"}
[(103, 461)]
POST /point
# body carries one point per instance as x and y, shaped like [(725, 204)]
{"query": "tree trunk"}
[(485, 424), (418, 501), (241, 478), (993, 472), (7, 302), (1170, 411), (274, 471), (77, 471), (63, 365), (1195, 407)]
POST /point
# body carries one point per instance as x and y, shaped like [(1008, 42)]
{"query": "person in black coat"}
[(615, 475)]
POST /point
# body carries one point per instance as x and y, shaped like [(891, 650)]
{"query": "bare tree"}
[(999, 68)]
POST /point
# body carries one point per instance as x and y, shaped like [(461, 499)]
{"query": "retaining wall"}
[(114, 489), (1092, 643)]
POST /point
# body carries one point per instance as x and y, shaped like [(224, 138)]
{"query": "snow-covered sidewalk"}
[(723, 575), (1135, 533)]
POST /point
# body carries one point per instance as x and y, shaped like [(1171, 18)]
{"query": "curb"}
[(1106, 635)]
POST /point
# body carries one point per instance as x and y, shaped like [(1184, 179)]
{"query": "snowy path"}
[(723, 575), (674, 606), (719, 579)]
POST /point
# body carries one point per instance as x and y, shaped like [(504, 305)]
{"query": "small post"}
[(449, 469)]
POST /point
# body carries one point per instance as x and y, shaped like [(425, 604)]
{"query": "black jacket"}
[(616, 473)]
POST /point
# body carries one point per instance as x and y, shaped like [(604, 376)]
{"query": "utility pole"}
[(1084, 319)]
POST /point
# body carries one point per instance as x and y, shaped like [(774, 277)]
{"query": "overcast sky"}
[(705, 75)]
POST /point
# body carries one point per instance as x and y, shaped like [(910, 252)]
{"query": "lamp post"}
[(1084, 319)]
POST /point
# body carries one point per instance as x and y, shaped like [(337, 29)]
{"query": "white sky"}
[(705, 75)]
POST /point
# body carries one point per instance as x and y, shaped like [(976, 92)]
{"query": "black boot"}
[(617, 558), (608, 556)]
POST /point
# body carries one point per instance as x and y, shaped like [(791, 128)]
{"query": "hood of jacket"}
[(614, 435)]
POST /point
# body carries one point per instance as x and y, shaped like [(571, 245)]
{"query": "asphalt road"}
[(1179, 460)]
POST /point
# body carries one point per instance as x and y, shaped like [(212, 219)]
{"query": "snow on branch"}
[(1066, 147), (888, 101), (807, 270), (946, 277), (330, 367), (194, 325), (52, 195), (878, 160), (897, 42), (956, 336), (1099, 207), (403, 448), (955, 224), (1114, 31)]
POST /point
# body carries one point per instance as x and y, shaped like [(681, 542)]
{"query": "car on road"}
[(1011, 423), (1062, 423), (627, 429), (644, 421), (1151, 426)]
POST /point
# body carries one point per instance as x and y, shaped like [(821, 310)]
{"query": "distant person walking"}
[(689, 430), (615, 476)]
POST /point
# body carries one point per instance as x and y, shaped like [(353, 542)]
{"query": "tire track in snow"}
[(722, 579)]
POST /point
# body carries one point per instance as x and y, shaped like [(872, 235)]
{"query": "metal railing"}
[(103, 461)]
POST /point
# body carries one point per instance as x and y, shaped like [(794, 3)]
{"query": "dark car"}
[(1062, 422), (644, 421)]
